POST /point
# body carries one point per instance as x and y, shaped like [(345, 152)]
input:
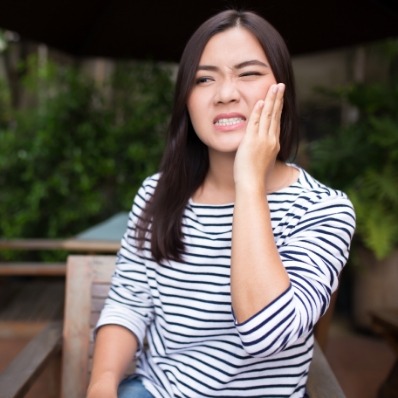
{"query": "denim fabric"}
[(132, 387)]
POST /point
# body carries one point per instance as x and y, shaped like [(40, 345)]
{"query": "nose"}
[(227, 91)]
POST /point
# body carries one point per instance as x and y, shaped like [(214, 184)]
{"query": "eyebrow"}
[(241, 65)]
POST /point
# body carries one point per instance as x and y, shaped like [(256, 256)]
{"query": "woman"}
[(231, 253)]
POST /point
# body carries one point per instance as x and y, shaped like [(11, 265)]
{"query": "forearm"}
[(257, 272), (115, 347)]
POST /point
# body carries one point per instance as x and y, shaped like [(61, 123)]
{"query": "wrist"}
[(105, 385)]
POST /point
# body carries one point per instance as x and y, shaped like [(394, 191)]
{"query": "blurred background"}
[(85, 97)]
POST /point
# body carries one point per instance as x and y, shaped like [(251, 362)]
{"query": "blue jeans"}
[(132, 387)]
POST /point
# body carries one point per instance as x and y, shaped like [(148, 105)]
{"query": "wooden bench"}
[(27, 298), (73, 245), (87, 284)]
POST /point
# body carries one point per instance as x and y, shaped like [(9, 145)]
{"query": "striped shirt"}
[(196, 348)]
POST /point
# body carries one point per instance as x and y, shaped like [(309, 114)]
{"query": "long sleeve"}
[(314, 247), (129, 302)]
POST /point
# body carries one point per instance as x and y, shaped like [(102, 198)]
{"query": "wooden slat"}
[(32, 269), (99, 292), (32, 300), (20, 329), (74, 245), (17, 378), (100, 289), (82, 272), (94, 318), (322, 382), (97, 303)]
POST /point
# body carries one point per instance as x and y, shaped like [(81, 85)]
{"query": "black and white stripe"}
[(196, 348)]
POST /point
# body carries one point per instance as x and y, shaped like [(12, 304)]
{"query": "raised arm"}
[(257, 272)]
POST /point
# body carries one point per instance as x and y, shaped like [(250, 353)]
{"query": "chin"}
[(230, 150)]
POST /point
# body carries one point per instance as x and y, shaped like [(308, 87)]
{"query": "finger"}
[(268, 109), (255, 116), (274, 127)]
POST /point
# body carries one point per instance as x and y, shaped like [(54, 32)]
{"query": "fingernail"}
[(274, 88)]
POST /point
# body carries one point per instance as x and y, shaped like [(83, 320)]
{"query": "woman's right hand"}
[(102, 389), (257, 152)]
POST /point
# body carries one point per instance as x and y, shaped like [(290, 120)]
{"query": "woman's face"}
[(232, 75)]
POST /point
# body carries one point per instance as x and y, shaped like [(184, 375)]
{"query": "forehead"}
[(235, 44)]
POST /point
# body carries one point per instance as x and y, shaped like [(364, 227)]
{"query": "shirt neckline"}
[(231, 204)]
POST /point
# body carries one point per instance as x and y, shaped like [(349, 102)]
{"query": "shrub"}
[(80, 152)]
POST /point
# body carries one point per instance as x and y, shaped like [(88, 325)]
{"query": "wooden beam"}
[(71, 245), (20, 329), (20, 374), (32, 269)]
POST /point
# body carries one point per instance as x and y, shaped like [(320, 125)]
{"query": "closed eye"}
[(251, 73)]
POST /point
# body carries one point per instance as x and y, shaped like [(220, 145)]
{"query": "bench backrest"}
[(87, 285)]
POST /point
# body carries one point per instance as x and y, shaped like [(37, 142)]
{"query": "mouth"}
[(229, 121)]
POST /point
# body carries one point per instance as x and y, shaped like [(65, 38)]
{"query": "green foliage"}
[(4, 105), (79, 154), (362, 160)]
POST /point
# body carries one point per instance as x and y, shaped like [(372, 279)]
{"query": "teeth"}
[(229, 122)]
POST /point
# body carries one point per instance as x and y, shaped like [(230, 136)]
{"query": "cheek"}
[(264, 89), (195, 110), (191, 106), (259, 92)]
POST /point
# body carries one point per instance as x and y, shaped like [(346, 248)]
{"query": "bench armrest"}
[(322, 382), (20, 374)]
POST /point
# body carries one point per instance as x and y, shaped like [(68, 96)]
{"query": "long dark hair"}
[(185, 160)]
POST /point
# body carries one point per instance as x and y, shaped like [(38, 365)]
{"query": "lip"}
[(239, 122)]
